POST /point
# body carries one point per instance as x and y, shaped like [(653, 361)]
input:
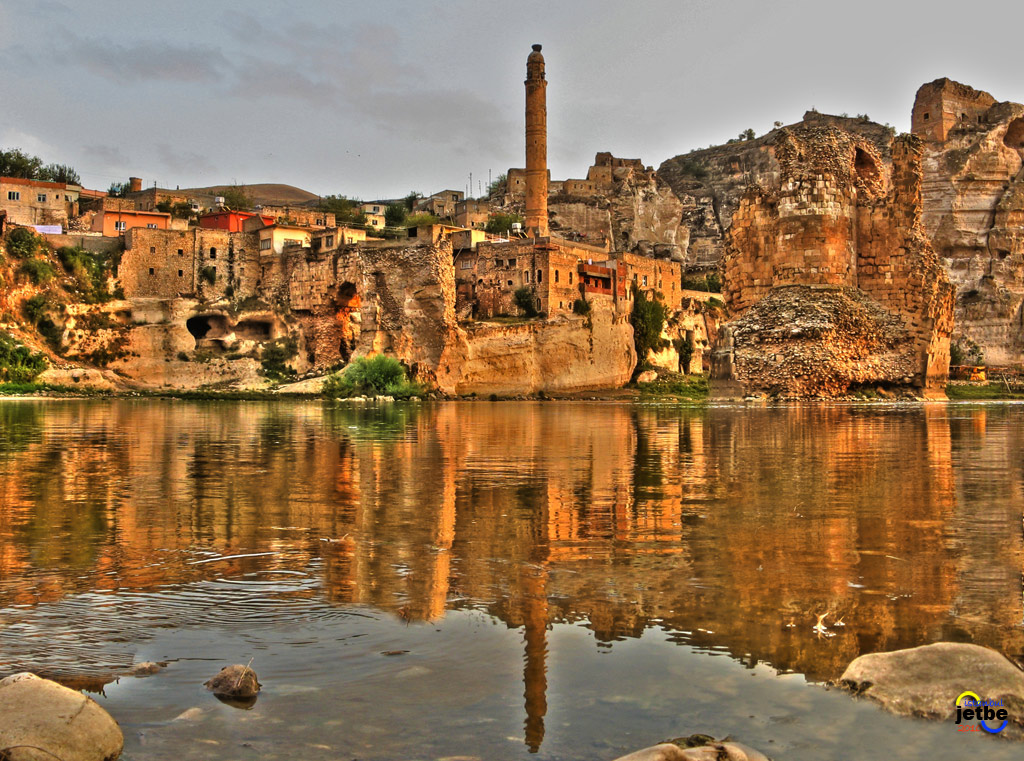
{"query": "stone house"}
[(34, 202)]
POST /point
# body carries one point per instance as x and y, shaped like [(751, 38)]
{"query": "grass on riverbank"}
[(982, 391), (691, 388)]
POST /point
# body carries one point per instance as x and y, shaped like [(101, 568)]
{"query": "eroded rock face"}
[(926, 681), (843, 222), (41, 720), (568, 354), (974, 211)]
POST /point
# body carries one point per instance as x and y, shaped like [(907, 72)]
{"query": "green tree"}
[(236, 198), (375, 375), (345, 210), (17, 163), (395, 215), (411, 199), (60, 173), (526, 301), (500, 223), (498, 184), (648, 320), (117, 189), (747, 134)]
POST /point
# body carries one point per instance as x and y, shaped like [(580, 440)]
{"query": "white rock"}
[(62, 723)]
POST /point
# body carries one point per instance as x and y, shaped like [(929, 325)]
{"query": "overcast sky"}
[(376, 98)]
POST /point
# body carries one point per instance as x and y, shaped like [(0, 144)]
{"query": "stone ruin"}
[(830, 282)]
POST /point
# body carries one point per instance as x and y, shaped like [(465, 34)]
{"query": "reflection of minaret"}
[(536, 145), (535, 678)]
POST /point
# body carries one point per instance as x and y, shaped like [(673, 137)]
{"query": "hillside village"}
[(838, 245)]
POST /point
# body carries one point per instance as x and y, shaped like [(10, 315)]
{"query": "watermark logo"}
[(969, 707)]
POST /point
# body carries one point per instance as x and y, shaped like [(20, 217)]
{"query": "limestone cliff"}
[(843, 218), (710, 182), (973, 196), (562, 355)]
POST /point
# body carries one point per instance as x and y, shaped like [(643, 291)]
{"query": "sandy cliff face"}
[(566, 354), (974, 214), (711, 182)]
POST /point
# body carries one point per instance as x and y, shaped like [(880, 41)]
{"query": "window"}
[(540, 277), (320, 222), (511, 262), (41, 197), (213, 253), (181, 252), (466, 264), (152, 271), (645, 279), (926, 116), (510, 282), (350, 239), (526, 276), (373, 222), (151, 226), (120, 226), (181, 273), (570, 278), (13, 195), (152, 249), (265, 244), (556, 276), (329, 241)]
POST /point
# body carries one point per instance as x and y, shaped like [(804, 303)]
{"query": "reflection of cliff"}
[(723, 525)]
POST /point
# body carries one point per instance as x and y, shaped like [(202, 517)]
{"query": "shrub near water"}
[(372, 376), (18, 364)]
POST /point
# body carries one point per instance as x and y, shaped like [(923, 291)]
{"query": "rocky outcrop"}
[(41, 720), (564, 354), (710, 182), (927, 681), (711, 751), (973, 195), (841, 217)]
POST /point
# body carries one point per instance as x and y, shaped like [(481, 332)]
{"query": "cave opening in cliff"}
[(204, 326), (865, 166), (1014, 137), (347, 305), (255, 330)]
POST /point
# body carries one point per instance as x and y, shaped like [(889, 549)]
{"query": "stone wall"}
[(829, 278)]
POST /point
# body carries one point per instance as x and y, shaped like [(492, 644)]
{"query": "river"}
[(505, 580)]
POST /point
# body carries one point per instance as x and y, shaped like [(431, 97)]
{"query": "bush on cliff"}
[(22, 243), (17, 363), (372, 376), (648, 320), (275, 357), (39, 271), (90, 270)]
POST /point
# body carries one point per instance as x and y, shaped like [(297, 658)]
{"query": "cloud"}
[(108, 155), (13, 138), (184, 162), (153, 61)]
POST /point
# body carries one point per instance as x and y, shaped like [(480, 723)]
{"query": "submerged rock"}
[(42, 720), (236, 682), (926, 681), (146, 668)]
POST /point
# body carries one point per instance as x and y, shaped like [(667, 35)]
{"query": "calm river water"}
[(493, 580)]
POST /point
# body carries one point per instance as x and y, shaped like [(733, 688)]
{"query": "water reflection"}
[(734, 530)]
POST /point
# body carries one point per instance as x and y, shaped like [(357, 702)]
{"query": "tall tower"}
[(536, 145)]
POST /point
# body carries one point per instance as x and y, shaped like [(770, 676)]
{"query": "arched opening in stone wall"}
[(865, 166), (1014, 137)]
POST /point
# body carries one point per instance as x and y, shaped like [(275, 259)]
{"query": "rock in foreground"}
[(712, 751), (926, 681), (42, 720), (235, 682)]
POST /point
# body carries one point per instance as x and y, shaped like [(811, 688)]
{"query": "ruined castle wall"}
[(158, 264), (941, 105)]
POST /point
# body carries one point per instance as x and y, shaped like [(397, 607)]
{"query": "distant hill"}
[(268, 194)]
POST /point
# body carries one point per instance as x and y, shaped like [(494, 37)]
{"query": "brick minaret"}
[(536, 145)]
